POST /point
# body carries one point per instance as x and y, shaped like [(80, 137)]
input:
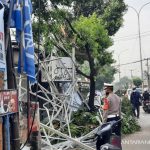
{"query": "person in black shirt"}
[(135, 101)]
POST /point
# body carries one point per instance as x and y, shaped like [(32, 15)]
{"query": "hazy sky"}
[(126, 44)]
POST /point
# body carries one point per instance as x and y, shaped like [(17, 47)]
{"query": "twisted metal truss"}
[(57, 107)]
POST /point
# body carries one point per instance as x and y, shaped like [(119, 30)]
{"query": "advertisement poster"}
[(2, 47), (24, 121), (8, 101)]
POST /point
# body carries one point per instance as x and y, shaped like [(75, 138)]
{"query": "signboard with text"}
[(59, 69)]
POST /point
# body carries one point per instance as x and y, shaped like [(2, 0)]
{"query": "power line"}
[(132, 62), (131, 38), (132, 35)]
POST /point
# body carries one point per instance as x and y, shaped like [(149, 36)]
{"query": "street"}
[(139, 140)]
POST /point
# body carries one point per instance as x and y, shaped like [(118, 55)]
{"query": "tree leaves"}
[(113, 15), (87, 24), (94, 33), (137, 81)]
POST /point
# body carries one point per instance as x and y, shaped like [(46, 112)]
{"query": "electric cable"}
[(132, 62), (132, 38), (129, 36)]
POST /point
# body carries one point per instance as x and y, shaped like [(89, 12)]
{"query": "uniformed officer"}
[(112, 108)]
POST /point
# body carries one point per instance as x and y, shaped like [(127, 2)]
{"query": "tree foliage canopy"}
[(86, 24), (137, 81), (113, 15), (106, 74), (123, 84), (93, 32)]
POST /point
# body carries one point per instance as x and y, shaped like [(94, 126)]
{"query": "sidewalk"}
[(139, 140)]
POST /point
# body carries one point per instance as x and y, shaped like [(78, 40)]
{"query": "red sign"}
[(8, 101)]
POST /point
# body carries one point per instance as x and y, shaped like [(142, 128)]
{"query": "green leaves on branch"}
[(137, 81), (94, 33), (129, 123), (87, 7), (105, 74), (123, 84), (83, 122), (113, 15)]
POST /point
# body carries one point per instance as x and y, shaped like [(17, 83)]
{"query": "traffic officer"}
[(112, 108)]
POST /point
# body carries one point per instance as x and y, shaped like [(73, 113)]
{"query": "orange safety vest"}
[(106, 104)]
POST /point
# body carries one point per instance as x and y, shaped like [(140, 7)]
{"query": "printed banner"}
[(8, 101), (2, 47), (21, 20)]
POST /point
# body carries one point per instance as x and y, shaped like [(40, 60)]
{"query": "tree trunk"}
[(92, 76), (92, 93)]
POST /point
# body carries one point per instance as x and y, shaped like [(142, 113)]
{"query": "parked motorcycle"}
[(146, 101), (106, 139), (146, 105)]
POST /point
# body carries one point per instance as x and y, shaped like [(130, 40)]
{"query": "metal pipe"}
[(84, 146)]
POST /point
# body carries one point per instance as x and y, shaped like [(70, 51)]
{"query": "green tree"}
[(129, 123), (124, 83), (93, 42), (106, 74), (111, 11), (88, 30), (137, 81)]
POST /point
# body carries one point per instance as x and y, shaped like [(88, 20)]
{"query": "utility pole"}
[(139, 36), (119, 63), (119, 72), (131, 73), (132, 77), (148, 76)]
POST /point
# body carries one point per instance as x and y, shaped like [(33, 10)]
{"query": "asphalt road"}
[(139, 140)]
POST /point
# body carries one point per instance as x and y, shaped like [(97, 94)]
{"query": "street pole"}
[(131, 77), (119, 63), (140, 46), (148, 76), (139, 33), (131, 73)]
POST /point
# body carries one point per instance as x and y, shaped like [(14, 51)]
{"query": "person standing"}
[(112, 108), (111, 112), (135, 101)]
